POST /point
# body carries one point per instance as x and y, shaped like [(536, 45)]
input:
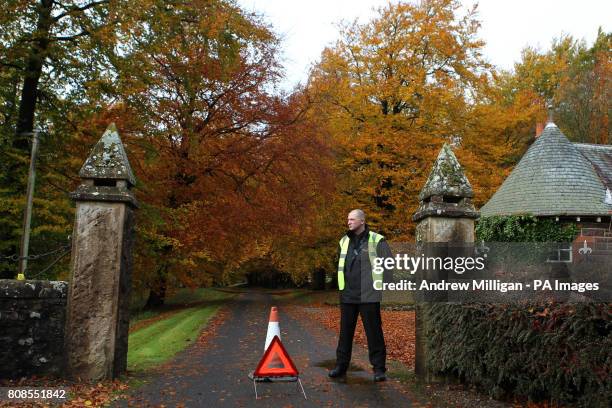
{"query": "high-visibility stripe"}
[(373, 240), (344, 244)]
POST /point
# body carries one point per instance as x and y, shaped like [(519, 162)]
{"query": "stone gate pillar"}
[(97, 317), (445, 216)]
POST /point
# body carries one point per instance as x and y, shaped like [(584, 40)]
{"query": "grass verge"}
[(180, 300), (165, 336)]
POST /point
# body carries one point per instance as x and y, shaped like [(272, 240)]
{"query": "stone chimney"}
[(539, 129)]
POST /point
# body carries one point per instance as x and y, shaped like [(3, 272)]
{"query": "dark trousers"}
[(372, 323)]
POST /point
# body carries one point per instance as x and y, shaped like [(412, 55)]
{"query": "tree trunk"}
[(318, 279), (34, 66), (157, 295)]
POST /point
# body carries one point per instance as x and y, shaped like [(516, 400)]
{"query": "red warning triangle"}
[(276, 362)]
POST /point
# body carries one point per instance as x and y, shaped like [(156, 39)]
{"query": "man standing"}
[(356, 278)]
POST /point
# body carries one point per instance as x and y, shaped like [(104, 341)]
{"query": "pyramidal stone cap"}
[(108, 159), (107, 175), (447, 191), (446, 177)]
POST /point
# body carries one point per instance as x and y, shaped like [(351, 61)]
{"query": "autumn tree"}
[(50, 54), (226, 162), (392, 91), (583, 101), (573, 78)]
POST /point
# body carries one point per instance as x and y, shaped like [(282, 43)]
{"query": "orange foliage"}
[(392, 91), (225, 165)]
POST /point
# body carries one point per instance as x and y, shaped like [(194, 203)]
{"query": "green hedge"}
[(524, 228), (557, 352)]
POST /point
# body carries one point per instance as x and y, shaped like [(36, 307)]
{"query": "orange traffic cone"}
[(275, 364), (273, 327)]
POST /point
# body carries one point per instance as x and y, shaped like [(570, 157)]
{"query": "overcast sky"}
[(507, 25)]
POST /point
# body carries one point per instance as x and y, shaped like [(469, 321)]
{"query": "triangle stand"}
[(276, 366), (266, 379)]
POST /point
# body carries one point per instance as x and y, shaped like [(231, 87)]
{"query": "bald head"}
[(356, 221), (359, 214)]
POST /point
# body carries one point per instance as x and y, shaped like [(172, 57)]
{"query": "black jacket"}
[(358, 283)]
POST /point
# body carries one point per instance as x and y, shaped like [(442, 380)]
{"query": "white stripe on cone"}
[(273, 330), (273, 327)]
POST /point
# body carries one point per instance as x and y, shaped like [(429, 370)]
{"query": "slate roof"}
[(600, 157), (555, 177)]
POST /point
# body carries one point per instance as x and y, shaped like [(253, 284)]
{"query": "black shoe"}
[(337, 371), (379, 375)]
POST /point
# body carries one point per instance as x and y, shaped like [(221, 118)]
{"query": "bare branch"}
[(10, 64), (71, 37), (79, 9)]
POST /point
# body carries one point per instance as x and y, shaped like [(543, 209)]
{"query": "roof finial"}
[(551, 110)]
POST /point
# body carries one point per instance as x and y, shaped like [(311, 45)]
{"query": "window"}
[(562, 254)]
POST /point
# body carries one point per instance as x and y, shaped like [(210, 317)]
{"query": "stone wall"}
[(32, 319)]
